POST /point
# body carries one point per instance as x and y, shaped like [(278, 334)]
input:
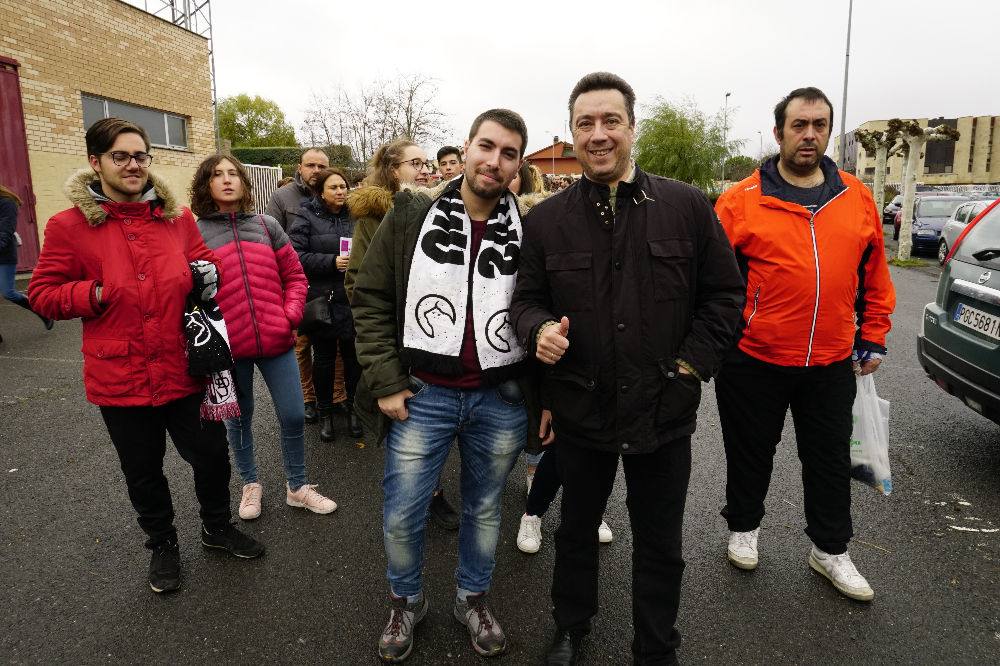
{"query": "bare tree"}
[(376, 113), (412, 105), (915, 138), (882, 145)]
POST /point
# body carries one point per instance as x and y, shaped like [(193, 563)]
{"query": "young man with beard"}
[(124, 259), (809, 242), (629, 291), (431, 307), (284, 206)]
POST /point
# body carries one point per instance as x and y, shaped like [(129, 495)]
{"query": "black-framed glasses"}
[(121, 158), (417, 163)]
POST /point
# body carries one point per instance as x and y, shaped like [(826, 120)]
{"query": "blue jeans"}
[(491, 426), (281, 374), (7, 288)]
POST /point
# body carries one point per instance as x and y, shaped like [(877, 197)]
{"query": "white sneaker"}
[(250, 502), (742, 551), (529, 478), (529, 534), (307, 497), (842, 573), (604, 533)]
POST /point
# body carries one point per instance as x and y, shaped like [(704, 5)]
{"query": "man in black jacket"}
[(628, 288)]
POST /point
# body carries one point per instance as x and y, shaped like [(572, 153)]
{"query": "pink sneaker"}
[(250, 503), (306, 497)]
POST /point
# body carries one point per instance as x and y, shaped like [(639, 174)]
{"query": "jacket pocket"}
[(671, 263), (572, 395), (679, 397), (510, 393), (107, 367), (570, 280)]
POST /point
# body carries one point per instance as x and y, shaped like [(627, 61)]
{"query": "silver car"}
[(957, 222)]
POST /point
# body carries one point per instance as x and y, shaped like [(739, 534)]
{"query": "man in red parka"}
[(120, 259)]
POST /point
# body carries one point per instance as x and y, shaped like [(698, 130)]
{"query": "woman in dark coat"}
[(321, 234), (9, 203)]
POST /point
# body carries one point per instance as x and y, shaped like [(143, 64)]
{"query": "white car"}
[(964, 214)]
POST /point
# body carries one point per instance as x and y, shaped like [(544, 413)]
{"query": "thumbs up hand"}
[(553, 341)]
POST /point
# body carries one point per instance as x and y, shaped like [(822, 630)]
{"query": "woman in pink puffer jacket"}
[(262, 298)]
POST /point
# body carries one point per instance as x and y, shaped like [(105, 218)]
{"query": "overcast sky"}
[(527, 55)]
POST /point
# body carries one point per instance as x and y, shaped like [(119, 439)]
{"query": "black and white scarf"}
[(209, 356), (437, 293)]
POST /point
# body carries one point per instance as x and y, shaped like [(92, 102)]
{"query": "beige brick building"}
[(79, 61), (972, 160)]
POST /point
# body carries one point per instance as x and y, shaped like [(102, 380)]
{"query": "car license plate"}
[(978, 320)]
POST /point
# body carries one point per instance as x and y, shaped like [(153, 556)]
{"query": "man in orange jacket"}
[(808, 240)]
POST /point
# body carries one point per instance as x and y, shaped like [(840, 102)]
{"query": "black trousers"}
[(139, 436), (324, 360), (753, 399), (657, 489), (545, 484)]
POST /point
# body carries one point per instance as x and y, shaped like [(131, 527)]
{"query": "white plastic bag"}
[(870, 438)]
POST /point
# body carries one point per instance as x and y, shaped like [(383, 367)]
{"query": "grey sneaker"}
[(487, 637), (396, 642)]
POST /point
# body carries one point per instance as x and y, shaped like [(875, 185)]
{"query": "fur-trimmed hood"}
[(369, 201), (79, 189)]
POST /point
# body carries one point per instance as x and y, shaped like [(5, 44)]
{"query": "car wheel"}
[(942, 251)]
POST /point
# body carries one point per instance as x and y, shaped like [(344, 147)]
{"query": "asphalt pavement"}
[(72, 569)]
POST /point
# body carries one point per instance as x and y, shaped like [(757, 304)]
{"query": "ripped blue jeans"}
[(491, 426)]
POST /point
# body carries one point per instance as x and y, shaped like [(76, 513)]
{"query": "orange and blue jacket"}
[(817, 283)]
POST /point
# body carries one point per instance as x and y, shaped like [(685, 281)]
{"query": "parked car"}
[(956, 223), (959, 341), (891, 208), (930, 212)]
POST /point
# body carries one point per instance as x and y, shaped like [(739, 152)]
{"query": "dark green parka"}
[(378, 301)]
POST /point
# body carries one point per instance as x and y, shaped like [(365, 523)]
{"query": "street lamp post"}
[(725, 134), (760, 135), (843, 107), (555, 140)]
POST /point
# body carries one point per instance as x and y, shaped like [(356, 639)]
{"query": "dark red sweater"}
[(472, 374)]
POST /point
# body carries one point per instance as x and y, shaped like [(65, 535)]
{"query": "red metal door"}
[(15, 172)]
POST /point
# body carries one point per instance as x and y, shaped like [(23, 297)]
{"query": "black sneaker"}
[(312, 416), (442, 513), (165, 567), (48, 323), (354, 424), (232, 541), (565, 649)]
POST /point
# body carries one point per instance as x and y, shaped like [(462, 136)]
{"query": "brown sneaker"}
[(396, 642), (485, 633)]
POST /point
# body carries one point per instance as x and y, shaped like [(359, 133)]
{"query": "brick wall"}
[(109, 49)]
